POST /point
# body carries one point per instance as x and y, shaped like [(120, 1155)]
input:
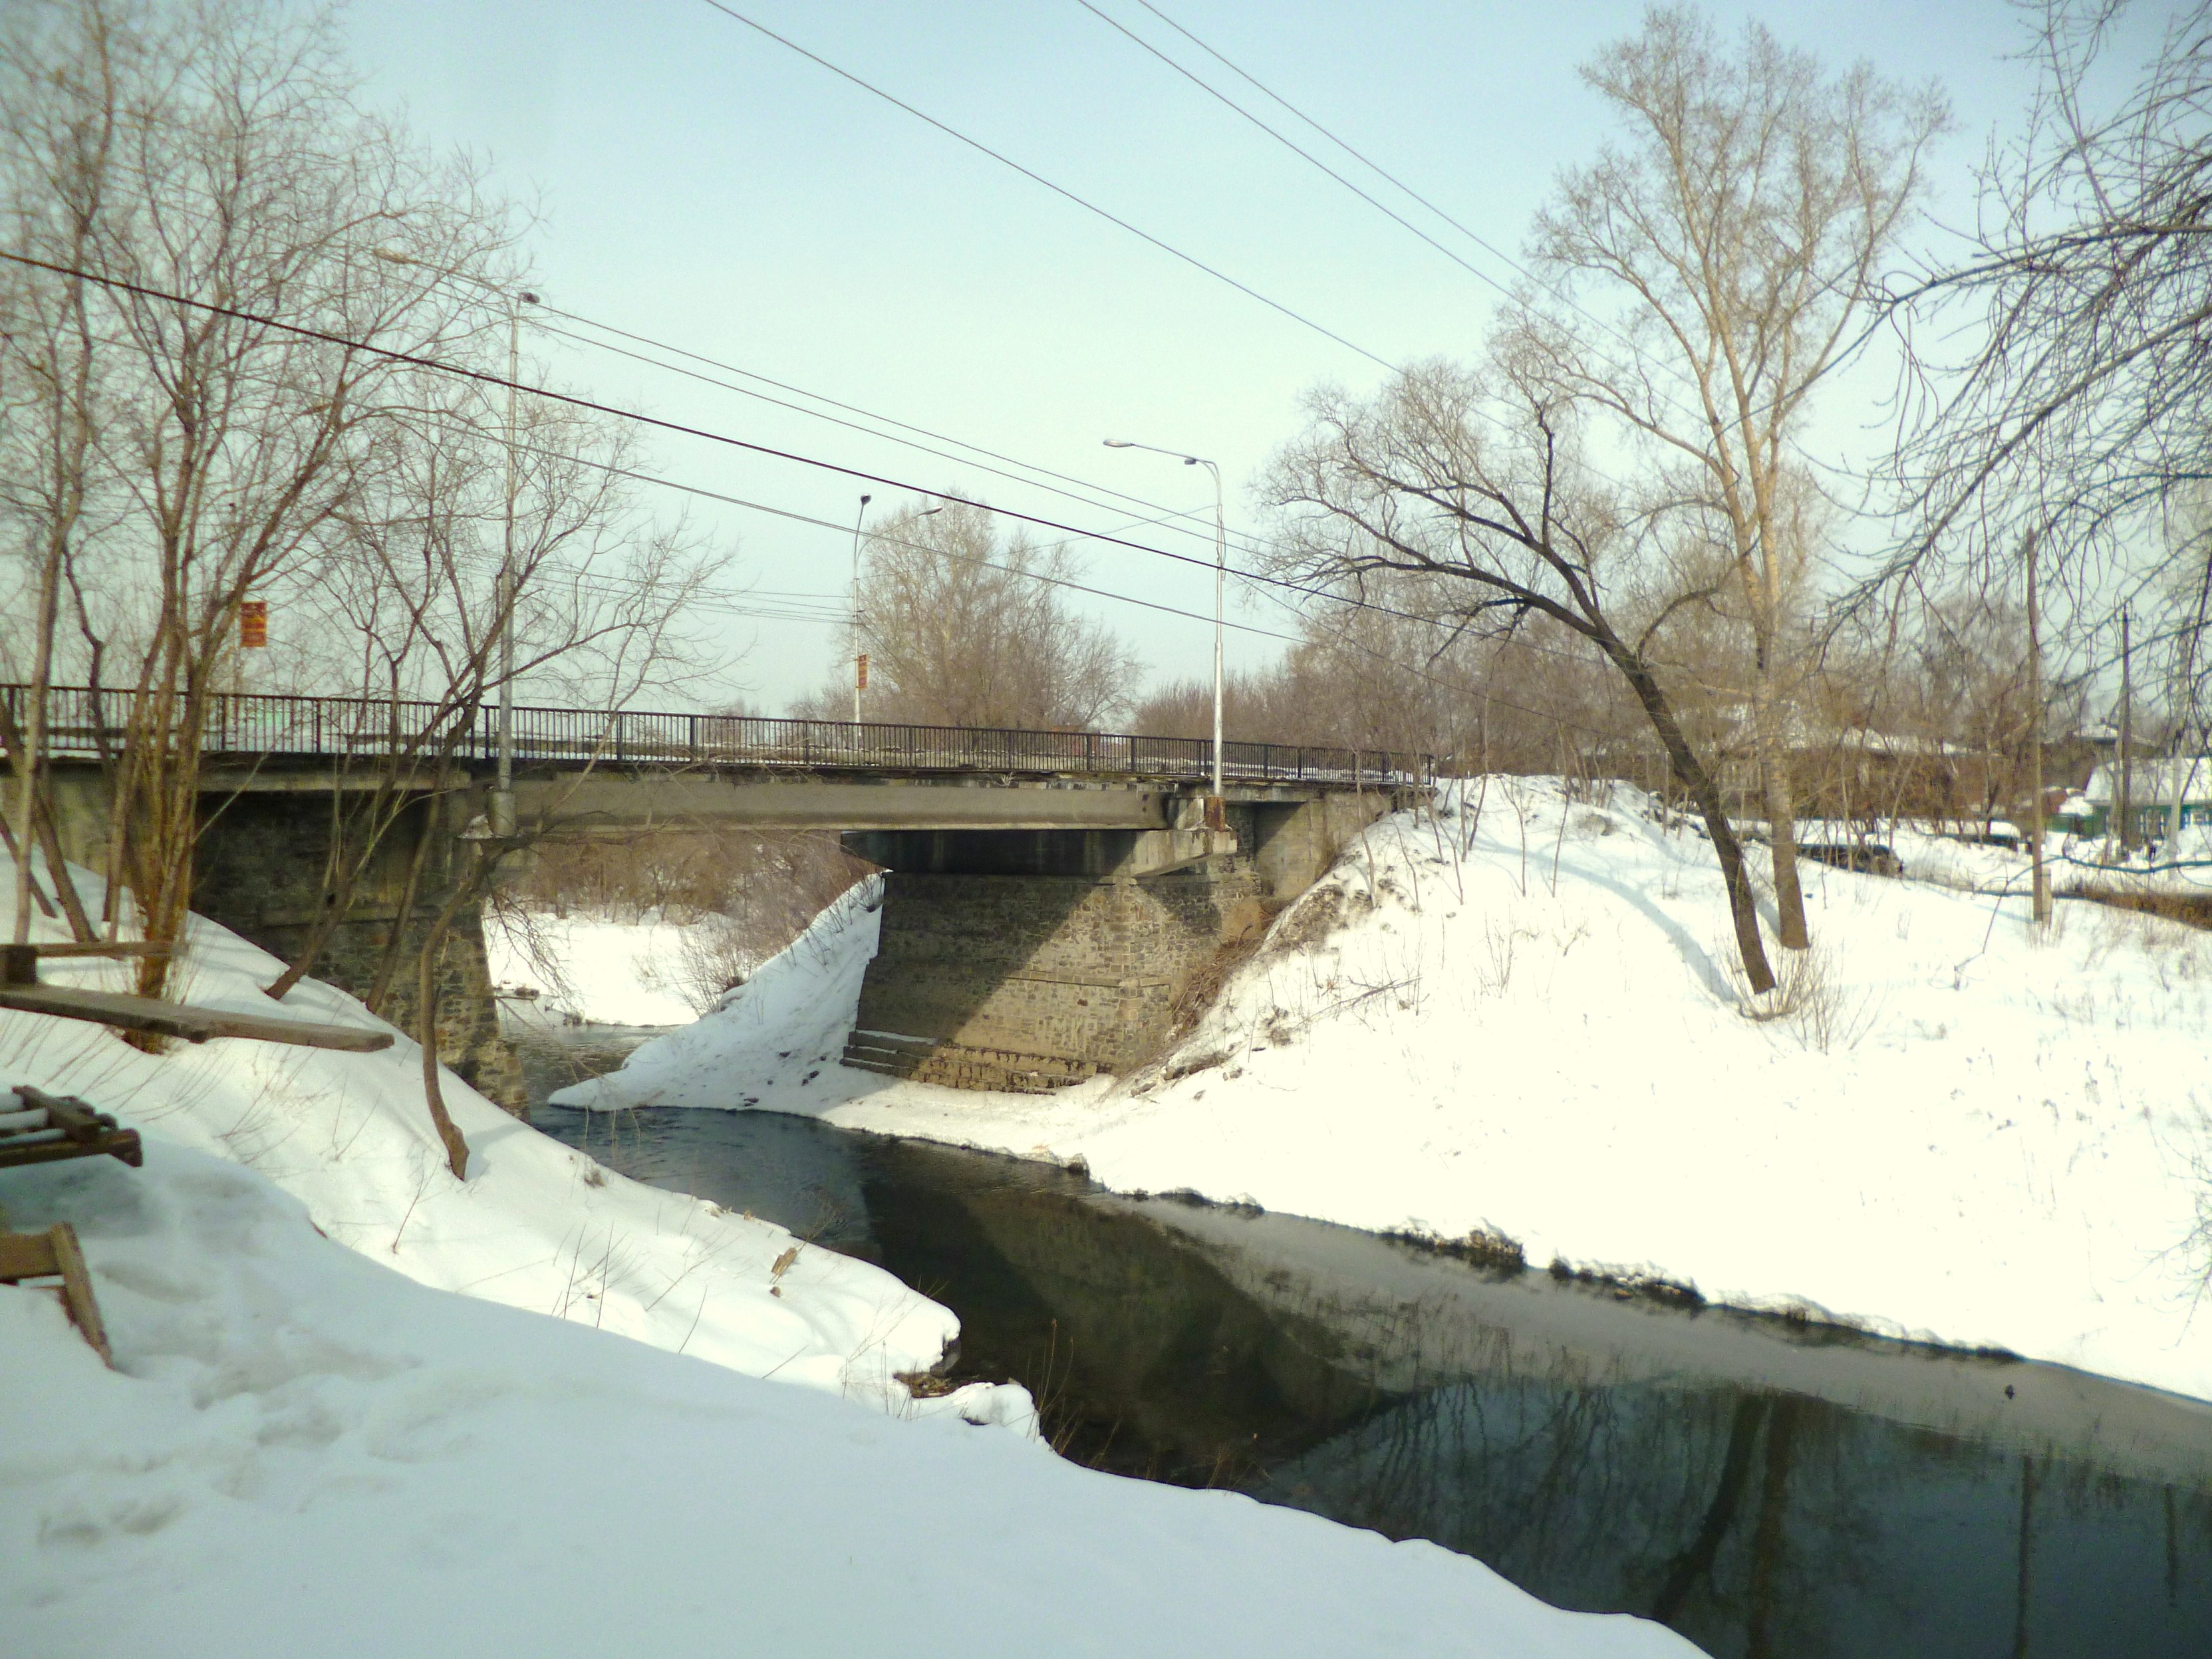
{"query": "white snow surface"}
[(610, 972), (2182, 867), (1521, 1014), (300, 1453)]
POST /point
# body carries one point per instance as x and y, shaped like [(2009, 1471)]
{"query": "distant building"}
[(2151, 788)]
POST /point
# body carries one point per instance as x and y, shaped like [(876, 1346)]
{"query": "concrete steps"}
[(927, 1060)]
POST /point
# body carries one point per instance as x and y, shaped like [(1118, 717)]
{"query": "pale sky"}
[(707, 187)]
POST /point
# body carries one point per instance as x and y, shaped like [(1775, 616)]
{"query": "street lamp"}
[(502, 797), (859, 657), (1221, 575)]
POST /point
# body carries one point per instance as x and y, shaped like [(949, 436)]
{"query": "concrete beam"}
[(618, 802)]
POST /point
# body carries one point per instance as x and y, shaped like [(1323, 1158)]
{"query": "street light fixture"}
[(1220, 576), (502, 796)]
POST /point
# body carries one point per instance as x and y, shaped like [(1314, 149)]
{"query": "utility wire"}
[(1193, 514), (1558, 292), (1375, 167), (854, 426), (842, 529), (1291, 144), (729, 603), (1169, 248), (485, 377), (1246, 543)]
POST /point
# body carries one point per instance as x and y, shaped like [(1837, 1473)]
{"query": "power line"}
[(1247, 544), (728, 604), (486, 377), (852, 426), (1373, 166), (1292, 145), (841, 530), (1061, 191), (872, 414), (1558, 293)]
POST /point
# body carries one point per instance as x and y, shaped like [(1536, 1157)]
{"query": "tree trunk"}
[(1743, 907), (1772, 741), (426, 1029)]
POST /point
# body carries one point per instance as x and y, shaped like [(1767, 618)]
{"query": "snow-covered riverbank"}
[(1520, 1016), (301, 1452)]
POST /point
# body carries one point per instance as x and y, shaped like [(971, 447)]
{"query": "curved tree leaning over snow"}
[(1467, 494)]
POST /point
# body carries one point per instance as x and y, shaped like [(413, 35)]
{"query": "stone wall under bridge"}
[(261, 871), (1028, 960)]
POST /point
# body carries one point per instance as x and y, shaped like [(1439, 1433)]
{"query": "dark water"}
[(1764, 1489)]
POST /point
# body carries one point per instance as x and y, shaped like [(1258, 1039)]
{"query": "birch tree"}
[(1727, 243)]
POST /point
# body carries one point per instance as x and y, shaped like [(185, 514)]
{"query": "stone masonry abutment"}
[(1029, 960), (262, 870)]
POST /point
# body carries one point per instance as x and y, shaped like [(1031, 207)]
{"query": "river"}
[(1766, 1488)]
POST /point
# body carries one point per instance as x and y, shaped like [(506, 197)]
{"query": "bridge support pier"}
[(262, 877), (1029, 960), (261, 870)]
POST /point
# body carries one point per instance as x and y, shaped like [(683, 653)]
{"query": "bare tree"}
[(1474, 487), (222, 280), (56, 140), (964, 627), (2086, 298), (1733, 237), (237, 181)]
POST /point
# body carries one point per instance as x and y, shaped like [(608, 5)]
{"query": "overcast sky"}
[(705, 186)]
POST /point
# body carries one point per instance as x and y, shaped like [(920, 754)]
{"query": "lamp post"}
[(1220, 576), (502, 796), (859, 657)]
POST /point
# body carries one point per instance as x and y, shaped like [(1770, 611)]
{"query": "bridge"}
[(1049, 893)]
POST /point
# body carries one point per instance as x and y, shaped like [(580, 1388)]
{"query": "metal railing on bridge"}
[(253, 725)]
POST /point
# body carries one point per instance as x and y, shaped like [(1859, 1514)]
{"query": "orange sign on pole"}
[(253, 624), (861, 663)]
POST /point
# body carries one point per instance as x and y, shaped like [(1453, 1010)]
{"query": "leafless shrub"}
[(1815, 1003)]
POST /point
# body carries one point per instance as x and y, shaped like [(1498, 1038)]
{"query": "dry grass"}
[(1811, 999)]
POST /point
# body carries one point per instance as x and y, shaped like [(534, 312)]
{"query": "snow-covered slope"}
[(304, 1456), (1521, 1016), (536, 1225)]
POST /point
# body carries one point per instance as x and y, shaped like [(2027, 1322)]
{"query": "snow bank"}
[(609, 973), (304, 1456), (536, 1225), (1522, 1017)]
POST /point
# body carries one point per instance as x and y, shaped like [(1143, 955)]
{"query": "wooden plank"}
[(131, 1013), (120, 947), (122, 1144), (68, 1115), (26, 1255), (77, 1289)]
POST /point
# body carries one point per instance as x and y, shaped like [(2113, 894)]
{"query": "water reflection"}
[(1763, 1493)]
